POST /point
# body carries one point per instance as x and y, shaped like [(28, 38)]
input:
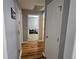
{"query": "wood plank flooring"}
[(32, 50)]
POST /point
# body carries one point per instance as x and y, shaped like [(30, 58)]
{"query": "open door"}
[(53, 28)]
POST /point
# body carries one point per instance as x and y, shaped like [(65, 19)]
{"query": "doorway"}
[(33, 27)]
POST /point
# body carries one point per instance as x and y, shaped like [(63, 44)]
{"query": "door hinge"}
[(60, 8)]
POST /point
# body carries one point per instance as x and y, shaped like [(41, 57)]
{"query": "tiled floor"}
[(32, 50), (33, 37)]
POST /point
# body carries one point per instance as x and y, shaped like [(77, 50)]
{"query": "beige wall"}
[(40, 26), (25, 24), (43, 26), (30, 4)]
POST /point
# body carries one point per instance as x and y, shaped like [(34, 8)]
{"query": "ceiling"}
[(32, 4)]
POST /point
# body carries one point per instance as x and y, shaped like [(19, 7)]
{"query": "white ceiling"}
[(30, 4)]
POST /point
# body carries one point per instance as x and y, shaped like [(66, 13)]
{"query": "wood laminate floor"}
[(32, 50)]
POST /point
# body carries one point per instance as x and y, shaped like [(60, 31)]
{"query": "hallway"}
[(32, 50), (39, 29)]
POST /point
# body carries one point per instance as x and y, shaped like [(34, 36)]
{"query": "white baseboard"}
[(20, 54)]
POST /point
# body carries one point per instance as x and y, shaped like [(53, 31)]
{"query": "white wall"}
[(70, 35), (5, 55), (10, 29), (74, 51), (19, 25)]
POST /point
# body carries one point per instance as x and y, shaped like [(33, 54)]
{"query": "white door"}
[(53, 28)]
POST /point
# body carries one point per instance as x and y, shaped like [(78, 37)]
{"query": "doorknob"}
[(46, 36), (58, 39)]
